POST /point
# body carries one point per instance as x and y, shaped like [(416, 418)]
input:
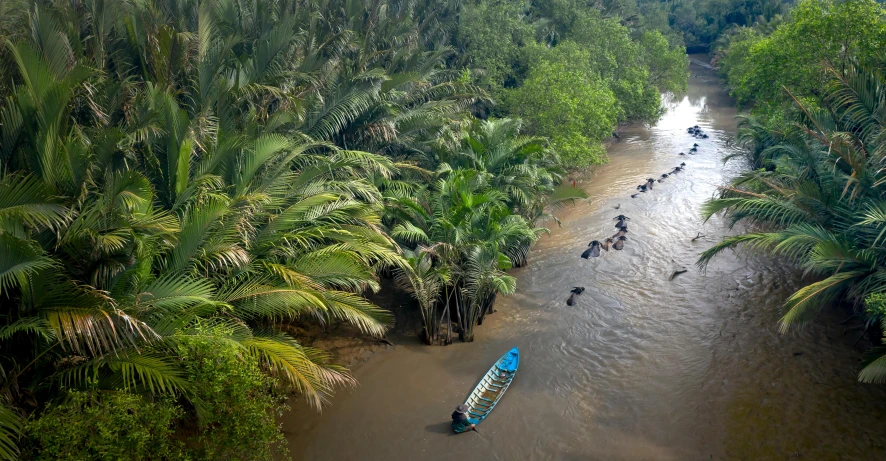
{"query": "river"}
[(640, 368)]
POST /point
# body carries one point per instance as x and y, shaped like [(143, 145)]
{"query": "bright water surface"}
[(640, 368)]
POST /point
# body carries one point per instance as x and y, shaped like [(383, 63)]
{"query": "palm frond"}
[(10, 431), (307, 370)]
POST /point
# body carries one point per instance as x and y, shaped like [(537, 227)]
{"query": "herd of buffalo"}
[(617, 240)]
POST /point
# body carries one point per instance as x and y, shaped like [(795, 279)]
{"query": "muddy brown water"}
[(640, 368)]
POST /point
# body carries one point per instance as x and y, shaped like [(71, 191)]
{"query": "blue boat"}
[(492, 386)]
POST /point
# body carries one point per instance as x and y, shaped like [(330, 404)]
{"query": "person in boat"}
[(460, 421)]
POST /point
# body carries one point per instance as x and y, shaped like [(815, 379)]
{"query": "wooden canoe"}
[(493, 385)]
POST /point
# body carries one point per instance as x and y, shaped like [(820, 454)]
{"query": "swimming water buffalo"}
[(593, 250), (621, 224), (575, 291), (620, 243)]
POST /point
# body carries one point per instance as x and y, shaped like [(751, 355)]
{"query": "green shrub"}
[(239, 403), (571, 106), (92, 426)]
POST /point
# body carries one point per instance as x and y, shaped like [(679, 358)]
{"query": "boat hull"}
[(492, 386)]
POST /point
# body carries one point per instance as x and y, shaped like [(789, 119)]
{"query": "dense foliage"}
[(817, 141), (182, 180), (821, 33), (702, 22), (108, 425), (573, 72), (235, 403)]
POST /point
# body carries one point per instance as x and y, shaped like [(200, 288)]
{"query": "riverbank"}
[(642, 367)]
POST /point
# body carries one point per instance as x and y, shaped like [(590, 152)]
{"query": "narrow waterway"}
[(640, 368)]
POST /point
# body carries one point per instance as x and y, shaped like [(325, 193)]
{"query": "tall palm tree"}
[(161, 170), (822, 201)]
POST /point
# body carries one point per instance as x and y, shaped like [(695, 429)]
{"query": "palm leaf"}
[(19, 260), (307, 370), (10, 431)]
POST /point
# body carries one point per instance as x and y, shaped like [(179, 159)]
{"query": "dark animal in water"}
[(695, 144), (620, 233), (615, 135), (641, 188), (594, 249), (693, 150), (622, 217), (620, 243), (676, 273), (621, 225), (649, 183), (606, 244), (577, 290), (634, 195), (681, 153), (682, 163), (665, 175), (571, 300), (587, 253)]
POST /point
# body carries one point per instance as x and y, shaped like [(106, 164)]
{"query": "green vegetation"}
[(112, 425), (573, 106), (819, 34), (816, 140), (182, 182), (571, 72), (702, 22)]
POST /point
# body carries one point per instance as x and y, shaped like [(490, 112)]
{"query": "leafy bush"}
[(115, 426), (820, 33), (572, 106), (238, 403)]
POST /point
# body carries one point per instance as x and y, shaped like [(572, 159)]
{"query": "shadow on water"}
[(641, 367), (441, 428)]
